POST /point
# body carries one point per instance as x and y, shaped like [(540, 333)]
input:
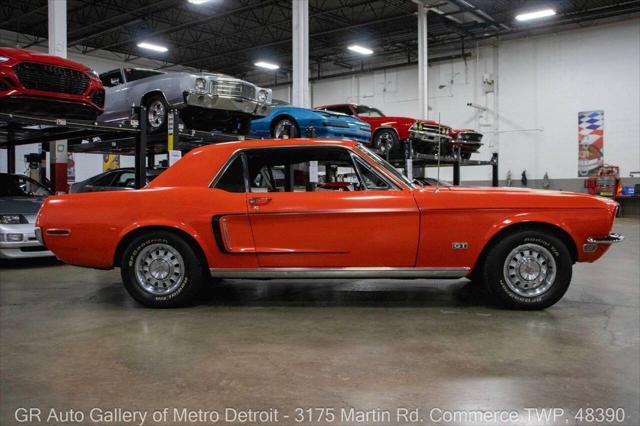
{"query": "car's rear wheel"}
[(528, 270), (285, 127), (161, 270), (157, 111)]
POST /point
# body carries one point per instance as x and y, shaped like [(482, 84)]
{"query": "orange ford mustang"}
[(303, 208)]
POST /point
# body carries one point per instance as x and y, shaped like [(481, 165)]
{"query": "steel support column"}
[(423, 65), (58, 46), (141, 149), (11, 152), (301, 95)]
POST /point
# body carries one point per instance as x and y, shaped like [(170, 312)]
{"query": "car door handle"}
[(259, 201)]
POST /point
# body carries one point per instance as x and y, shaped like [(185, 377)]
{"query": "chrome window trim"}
[(359, 160)]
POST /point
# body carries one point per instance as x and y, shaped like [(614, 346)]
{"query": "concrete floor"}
[(72, 338)]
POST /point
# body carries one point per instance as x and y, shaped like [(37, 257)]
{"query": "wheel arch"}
[(151, 93), (279, 117), (540, 226), (134, 233), (380, 129)]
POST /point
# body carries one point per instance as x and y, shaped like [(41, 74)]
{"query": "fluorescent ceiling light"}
[(267, 65), (535, 15), (198, 1), (151, 46), (359, 49)]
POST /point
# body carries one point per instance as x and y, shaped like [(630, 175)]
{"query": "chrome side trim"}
[(58, 232), (609, 239), (372, 272)]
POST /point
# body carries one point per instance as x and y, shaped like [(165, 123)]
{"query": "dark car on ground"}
[(38, 84), (113, 180)]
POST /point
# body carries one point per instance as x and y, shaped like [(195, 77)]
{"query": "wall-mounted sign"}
[(590, 142)]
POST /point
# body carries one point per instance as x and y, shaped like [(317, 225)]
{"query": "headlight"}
[(11, 219), (92, 73), (264, 96), (201, 85), (4, 59), (14, 238)]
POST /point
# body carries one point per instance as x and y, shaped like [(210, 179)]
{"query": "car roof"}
[(194, 169), (260, 143)]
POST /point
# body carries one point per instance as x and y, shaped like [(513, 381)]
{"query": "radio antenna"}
[(439, 153)]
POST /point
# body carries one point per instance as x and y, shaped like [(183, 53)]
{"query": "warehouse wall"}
[(531, 119), (541, 84)]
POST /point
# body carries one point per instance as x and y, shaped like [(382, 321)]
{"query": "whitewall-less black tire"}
[(527, 270), (161, 270)]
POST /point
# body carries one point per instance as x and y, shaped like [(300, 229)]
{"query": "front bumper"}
[(228, 103), (428, 137), (27, 248), (593, 242)]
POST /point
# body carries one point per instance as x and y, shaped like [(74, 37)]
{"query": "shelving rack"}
[(88, 137)]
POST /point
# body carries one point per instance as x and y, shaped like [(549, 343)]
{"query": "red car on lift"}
[(387, 132), (37, 84)]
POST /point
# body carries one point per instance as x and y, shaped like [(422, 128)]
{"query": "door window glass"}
[(104, 180), (133, 74), (343, 109), (111, 78), (371, 179), (126, 179), (307, 170), (233, 178)]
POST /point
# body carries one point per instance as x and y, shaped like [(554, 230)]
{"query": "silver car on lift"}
[(205, 101)]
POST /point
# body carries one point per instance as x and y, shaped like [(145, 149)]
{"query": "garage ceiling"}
[(230, 35)]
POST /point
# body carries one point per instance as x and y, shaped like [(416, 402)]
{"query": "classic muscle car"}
[(205, 101), (293, 122), (389, 133), (39, 84), (224, 215), (430, 137), (20, 200), (465, 142)]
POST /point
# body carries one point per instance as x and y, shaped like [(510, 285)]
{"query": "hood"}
[(28, 55), (326, 114), (20, 205), (532, 198)]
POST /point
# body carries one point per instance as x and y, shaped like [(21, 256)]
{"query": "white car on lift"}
[(205, 101), (20, 200)]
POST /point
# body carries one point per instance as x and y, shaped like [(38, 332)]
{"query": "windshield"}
[(21, 186), (369, 112), (388, 167)]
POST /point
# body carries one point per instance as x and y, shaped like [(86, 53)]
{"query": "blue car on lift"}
[(296, 122)]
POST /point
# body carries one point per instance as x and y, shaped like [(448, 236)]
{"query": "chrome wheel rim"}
[(281, 129), (385, 142), (529, 270), (155, 114), (159, 269)]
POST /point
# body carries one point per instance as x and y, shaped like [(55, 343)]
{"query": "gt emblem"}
[(459, 246)]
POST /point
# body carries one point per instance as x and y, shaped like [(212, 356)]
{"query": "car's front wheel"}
[(528, 270), (157, 112), (161, 270), (386, 143)]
